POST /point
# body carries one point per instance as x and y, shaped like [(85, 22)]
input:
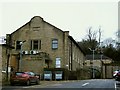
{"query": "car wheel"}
[(37, 82), (116, 78), (28, 82), (12, 84)]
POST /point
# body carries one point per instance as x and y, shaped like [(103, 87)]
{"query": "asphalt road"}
[(92, 84)]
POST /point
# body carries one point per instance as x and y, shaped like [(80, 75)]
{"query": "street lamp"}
[(93, 59), (101, 56), (101, 66), (20, 62)]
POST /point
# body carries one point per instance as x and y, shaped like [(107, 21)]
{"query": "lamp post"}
[(101, 56), (20, 62), (101, 66), (93, 51)]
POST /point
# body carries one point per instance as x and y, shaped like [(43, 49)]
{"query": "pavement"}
[(44, 82)]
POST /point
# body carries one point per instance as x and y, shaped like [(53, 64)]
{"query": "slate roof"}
[(96, 57)]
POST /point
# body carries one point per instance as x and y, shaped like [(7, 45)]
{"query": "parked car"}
[(118, 76), (24, 78), (115, 73)]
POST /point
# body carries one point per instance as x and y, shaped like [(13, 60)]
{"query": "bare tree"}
[(108, 42), (92, 35), (91, 38)]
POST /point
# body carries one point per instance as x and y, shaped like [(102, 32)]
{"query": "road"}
[(95, 84), (89, 84)]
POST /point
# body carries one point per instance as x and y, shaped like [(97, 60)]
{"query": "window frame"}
[(33, 46), (18, 46), (54, 44), (58, 62)]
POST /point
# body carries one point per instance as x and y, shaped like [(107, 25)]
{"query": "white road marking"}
[(115, 86), (56, 84), (85, 84)]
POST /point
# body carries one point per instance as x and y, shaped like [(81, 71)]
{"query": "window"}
[(18, 46), (35, 44), (54, 44), (58, 62)]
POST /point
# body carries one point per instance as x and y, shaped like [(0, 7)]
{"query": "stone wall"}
[(1, 63), (38, 29)]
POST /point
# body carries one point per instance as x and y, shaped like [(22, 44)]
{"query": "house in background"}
[(39, 45), (5, 61), (101, 63)]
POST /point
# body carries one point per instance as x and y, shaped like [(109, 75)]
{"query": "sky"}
[(75, 16)]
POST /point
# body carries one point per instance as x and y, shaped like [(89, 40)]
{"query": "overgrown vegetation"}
[(107, 47)]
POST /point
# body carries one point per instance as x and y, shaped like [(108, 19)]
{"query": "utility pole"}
[(101, 54), (101, 66), (99, 35), (8, 47), (8, 55)]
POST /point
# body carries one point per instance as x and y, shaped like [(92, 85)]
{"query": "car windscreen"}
[(19, 73), (30, 73)]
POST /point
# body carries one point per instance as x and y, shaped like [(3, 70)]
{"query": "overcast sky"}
[(73, 16)]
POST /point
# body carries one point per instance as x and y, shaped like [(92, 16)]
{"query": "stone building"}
[(1, 63), (101, 63), (38, 45), (5, 62)]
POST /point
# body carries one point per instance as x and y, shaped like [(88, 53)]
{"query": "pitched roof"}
[(96, 57), (71, 38), (30, 22)]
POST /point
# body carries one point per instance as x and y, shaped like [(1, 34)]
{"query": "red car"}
[(24, 78)]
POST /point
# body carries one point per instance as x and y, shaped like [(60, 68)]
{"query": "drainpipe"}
[(7, 66)]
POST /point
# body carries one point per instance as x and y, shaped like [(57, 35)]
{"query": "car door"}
[(32, 77)]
